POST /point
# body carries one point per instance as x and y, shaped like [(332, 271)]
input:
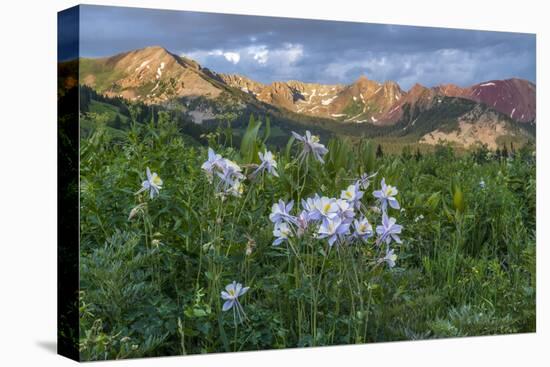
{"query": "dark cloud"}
[(268, 48)]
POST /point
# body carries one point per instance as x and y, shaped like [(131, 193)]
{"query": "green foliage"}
[(353, 108), (367, 156), (152, 270), (250, 144), (339, 156), (471, 321), (123, 311)]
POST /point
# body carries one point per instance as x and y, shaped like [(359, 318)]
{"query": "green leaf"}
[(267, 132), (249, 144), (289, 147), (458, 199), (222, 333)]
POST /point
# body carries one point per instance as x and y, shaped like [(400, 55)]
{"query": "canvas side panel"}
[(68, 183)]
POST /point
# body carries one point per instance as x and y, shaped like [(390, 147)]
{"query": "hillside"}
[(154, 76)]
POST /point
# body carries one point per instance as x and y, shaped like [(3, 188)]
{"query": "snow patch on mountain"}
[(143, 64), (326, 102), (159, 70)]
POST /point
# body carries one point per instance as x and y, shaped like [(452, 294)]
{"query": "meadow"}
[(192, 246)]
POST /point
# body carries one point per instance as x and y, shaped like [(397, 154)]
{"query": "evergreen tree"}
[(117, 123), (406, 153), (418, 155), (504, 152), (379, 152), (152, 121)]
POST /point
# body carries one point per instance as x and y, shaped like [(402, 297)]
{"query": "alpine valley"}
[(492, 112)]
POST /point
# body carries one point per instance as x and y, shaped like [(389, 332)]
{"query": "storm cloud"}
[(269, 49)]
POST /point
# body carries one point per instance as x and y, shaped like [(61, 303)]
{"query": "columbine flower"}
[(363, 229), (303, 222), (390, 258), (388, 230), (482, 184), (153, 183), (309, 207), (323, 208), (345, 210), (236, 189), (282, 232), (268, 164), (214, 161), (353, 195), (332, 229), (364, 181), (280, 212), (230, 172), (386, 195), (311, 145), (231, 296)]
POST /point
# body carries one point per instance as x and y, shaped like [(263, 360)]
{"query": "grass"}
[(104, 75), (150, 285)]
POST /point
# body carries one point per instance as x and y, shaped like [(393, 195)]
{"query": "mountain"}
[(478, 125), (513, 97), (152, 75), (362, 101), (155, 76)]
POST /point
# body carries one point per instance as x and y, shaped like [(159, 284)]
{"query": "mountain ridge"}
[(359, 101), (153, 75)]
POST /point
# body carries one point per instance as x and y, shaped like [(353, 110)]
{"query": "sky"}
[(269, 49)]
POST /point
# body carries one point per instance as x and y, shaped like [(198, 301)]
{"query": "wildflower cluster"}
[(340, 220), (227, 173), (311, 145)]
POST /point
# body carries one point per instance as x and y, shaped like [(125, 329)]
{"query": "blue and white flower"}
[(386, 195), (363, 229), (268, 164), (236, 189), (308, 205), (323, 208), (364, 181), (332, 229), (303, 222), (282, 232), (389, 258), (230, 172), (214, 161), (353, 195), (389, 230), (231, 297), (153, 183), (280, 212), (311, 145), (345, 210)]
